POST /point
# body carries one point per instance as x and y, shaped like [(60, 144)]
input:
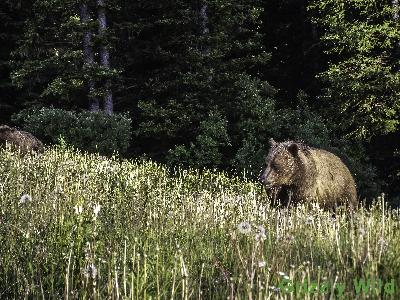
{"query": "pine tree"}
[(88, 54), (193, 72), (363, 79), (12, 16), (55, 61), (105, 56)]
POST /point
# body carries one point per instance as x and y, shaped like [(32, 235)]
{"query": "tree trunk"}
[(88, 56), (395, 4), (204, 19), (105, 56)]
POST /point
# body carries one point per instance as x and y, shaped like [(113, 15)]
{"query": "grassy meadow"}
[(80, 226)]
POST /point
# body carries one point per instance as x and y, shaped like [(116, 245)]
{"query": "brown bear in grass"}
[(23, 140), (304, 174)]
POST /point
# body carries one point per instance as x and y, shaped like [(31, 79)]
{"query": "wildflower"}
[(90, 270), (244, 227), (260, 236), (281, 274), (260, 229), (78, 209), (96, 210), (261, 264), (383, 244), (286, 277), (274, 289), (309, 220), (260, 233), (361, 231), (25, 198)]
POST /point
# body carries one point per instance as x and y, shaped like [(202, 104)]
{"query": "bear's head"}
[(282, 164)]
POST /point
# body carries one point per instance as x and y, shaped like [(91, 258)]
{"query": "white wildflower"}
[(260, 237), (25, 198), (78, 209), (93, 270), (275, 289), (383, 244), (361, 231), (281, 274), (96, 210), (261, 264), (90, 271), (260, 233), (244, 227)]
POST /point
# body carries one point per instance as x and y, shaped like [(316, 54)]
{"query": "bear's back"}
[(333, 182)]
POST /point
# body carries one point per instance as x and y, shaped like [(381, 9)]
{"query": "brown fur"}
[(308, 174), (23, 140)]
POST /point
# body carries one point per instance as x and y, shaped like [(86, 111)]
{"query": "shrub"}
[(205, 151), (89, 131)]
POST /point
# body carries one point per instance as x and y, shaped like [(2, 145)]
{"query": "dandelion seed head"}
[(25, 198), (244, 227), (260, 229)]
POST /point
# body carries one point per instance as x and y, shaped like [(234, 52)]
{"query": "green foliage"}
[(304, 124), (198, 87), (90, 131), (362, 82), (206, 150), (91, 227), (196, 70), (12, 18), (48, 62)]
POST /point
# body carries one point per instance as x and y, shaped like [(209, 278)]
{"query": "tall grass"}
[(79, 226)]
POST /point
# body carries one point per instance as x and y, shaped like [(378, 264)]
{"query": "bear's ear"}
[(272, 142), (293, 149)]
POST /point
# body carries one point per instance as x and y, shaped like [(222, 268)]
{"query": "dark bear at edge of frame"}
[(23, 140)]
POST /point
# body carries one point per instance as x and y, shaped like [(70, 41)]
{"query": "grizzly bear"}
[(23, 140), (303, 174)]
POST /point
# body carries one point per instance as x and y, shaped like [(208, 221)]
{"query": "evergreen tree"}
[(88, 54), (12, 16), (362, 80), (52, 63), (195, 77)]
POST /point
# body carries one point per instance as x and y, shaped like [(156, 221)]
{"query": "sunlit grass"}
[(79, 226)]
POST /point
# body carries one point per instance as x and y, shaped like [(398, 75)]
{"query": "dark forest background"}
[(207, 83)]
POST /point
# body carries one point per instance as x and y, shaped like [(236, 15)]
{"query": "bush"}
[(205, 151), (89, 131)]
